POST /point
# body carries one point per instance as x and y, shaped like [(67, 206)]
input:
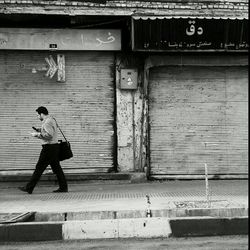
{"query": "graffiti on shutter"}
[(51, 68)]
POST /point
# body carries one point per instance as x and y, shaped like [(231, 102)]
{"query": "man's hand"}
[(35, 134)]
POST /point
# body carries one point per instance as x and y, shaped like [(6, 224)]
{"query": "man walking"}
[(49, 154)]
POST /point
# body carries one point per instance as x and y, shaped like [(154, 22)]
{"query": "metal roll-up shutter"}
[(83, 107), (198, 115)]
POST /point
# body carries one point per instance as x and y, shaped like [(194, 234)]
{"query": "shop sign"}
[(190, 34), (59, 39)]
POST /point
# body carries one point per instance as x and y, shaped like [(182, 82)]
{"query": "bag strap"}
[(60, 130)]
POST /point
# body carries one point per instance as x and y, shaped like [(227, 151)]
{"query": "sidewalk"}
[(170, 208)]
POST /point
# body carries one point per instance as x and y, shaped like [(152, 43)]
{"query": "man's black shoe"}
[(60, 190), (24, 189)]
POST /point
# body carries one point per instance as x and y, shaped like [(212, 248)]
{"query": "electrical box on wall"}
[(129, 79)]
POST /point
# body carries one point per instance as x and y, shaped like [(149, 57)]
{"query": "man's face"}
[(40, 116)]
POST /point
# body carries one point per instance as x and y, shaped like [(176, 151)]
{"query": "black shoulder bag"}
[(65, 151)]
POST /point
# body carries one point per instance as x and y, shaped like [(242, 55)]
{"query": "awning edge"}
[(184, 17)]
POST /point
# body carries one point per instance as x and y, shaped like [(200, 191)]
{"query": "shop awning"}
[(142, 17)]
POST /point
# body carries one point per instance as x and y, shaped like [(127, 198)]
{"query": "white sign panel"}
[(59, 39)]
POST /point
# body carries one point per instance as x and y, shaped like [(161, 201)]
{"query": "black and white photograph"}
[(124, 124)]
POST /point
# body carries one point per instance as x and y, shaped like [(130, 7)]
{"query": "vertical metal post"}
[(206, 181), (132, 34), (207, 186)]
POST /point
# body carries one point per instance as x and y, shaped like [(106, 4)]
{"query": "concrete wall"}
[(129, 113)]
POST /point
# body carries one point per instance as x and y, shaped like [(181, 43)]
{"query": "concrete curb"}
[(30, 231), (205, 226), (123, 228), (126, 214)]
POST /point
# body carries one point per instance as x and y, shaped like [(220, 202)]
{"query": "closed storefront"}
[(83, 105), (198, 115), (196, 80)]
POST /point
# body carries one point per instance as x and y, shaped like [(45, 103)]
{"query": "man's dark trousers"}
[(48, 156)]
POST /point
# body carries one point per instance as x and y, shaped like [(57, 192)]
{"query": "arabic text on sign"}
[(110, 39), (191, 30)]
